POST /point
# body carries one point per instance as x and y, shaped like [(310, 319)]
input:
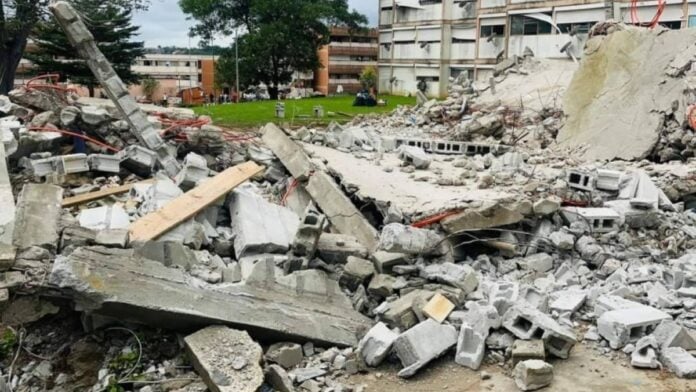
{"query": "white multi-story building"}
[(433, 40)]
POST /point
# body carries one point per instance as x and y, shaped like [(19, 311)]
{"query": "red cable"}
[(74, 134), (654, 21), (434, 219)]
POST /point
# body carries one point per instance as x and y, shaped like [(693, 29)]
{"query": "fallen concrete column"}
[(423, 343), (114, 283), (80, 37), (329, 197), (38, 213), (226, 359), (7, 214)]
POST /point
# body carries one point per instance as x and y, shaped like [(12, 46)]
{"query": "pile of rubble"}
[(293, 261)]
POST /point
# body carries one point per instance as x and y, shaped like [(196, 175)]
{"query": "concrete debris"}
[(414, 156), (423, 343), (471, 347), (287, 355), (438, 308), (336, 248), (533, 374), (377, 344), (7, 212), (37, 218), (623, 326), (523, 350), (679, 361), (398, 238), (227, 359)]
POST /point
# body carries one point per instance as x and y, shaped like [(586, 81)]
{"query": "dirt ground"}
[(585, 371)]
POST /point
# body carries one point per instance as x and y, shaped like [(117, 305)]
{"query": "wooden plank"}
[(87, 197), (189, 204)]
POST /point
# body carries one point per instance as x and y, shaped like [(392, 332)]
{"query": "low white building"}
[(435, 39)]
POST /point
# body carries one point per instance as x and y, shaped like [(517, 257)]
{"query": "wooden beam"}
[(189, 204), (87, 197)]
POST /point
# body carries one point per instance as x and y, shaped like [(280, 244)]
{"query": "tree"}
[(282, 36), (112, 29), (225, 71), (17, 20), (368, 78), (150, 86)]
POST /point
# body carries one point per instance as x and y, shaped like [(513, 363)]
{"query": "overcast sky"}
[(166, 25)]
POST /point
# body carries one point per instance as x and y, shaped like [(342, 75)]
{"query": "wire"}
[(75, 134), (654, 21), (434, 219)]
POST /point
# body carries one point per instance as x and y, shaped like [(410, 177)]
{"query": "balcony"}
[(354, 49), (164, 70), (350, 67)]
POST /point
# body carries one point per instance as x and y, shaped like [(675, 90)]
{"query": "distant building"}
[(176, 73), (433, 40), (344, 59)]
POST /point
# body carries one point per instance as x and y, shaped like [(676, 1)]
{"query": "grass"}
[(297, 112)]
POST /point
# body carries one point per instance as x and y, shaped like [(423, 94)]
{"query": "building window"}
[(673, 25), (429, 2), (523, 25), (147, 63), (200, 78), (577, 28), (488, 31)]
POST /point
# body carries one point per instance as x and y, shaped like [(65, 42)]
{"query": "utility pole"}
[(236, 61)]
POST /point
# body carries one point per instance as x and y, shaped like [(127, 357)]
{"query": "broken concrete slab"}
[(398, 238), (603, 109), (423, 343), (481, 219), (259, 226), (38, 215), (679, 361), (113, 282), (670, 334), (104, 218), (228, 360), (329, 198), (376, 344)]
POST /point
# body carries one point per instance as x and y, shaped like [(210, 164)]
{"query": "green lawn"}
[(297, 112)]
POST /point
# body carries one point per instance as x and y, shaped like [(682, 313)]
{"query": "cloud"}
[(164, 24)]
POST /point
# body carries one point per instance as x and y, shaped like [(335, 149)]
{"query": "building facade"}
[(433, 40), (176, 73), (344, 59)]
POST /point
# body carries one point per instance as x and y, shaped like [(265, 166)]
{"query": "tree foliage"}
[(112, 29), (281, 36), (18, 19), (150, 87), (368, 78)]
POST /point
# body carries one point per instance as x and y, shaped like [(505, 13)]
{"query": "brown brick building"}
[(344, 59)]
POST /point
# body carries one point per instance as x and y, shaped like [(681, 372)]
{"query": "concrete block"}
[(381, 285), (43, 167), (608, 180), (539, 262), (259, 226), (598, 220), (279, 379), (471, 347), (606, 303), (104, 163), (399, 238), (580, 180), (482, 318), (645, 355), (547, 206), (679, 361), (287, 355), (336, 248), (647, 193), (103, 218), (139, 160), (227, 359), (71, 164), (356, 273), (670, 334), (532, 375), (169, 254), (528, 323), (194, 170), (423, 343), (112, 237), (623, 326), (438, 308), (568, 300), (399, 313), (385, 261), (523, 350), (309, 232), (376, 344), (37, 217), (562, 241), (414, 156), (461, 276)]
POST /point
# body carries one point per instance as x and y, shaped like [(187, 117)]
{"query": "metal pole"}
[(236, 60)]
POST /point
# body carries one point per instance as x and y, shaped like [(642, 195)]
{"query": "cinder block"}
[(523, 350), (528, 323), (580, 180), (309, 232), (623, 326), (139, 160), (71, 164), (423, 343), (598, 220), (377, 344), (608, 180), (471, 346), (104, 163)]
